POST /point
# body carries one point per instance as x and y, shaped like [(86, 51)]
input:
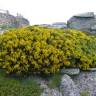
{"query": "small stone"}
[(71, 71), (92, 69)]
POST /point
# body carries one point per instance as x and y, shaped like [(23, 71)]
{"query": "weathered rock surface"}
[(21, 21), (68, 87), (86, 15), (9, 21), (84, 22), (71, 71), (86, 82)]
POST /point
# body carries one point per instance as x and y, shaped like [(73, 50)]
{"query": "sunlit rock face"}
[(84, 22), (68, 86)]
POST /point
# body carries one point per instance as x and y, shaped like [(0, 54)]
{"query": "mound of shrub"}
[(43, 50)]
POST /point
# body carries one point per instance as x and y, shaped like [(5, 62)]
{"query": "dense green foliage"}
[(44, 50), (20, 86)]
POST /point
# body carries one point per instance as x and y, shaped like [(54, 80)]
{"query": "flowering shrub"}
[(44, 50)]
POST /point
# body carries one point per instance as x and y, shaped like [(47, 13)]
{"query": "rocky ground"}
[(82, 84), (86, 81)]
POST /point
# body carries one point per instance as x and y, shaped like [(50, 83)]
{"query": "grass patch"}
[(85, 93), (54, 81), (18, 86)]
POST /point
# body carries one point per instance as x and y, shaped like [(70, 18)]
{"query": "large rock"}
[(9, 21), (21, 21), (84, 22), (68, 87)]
